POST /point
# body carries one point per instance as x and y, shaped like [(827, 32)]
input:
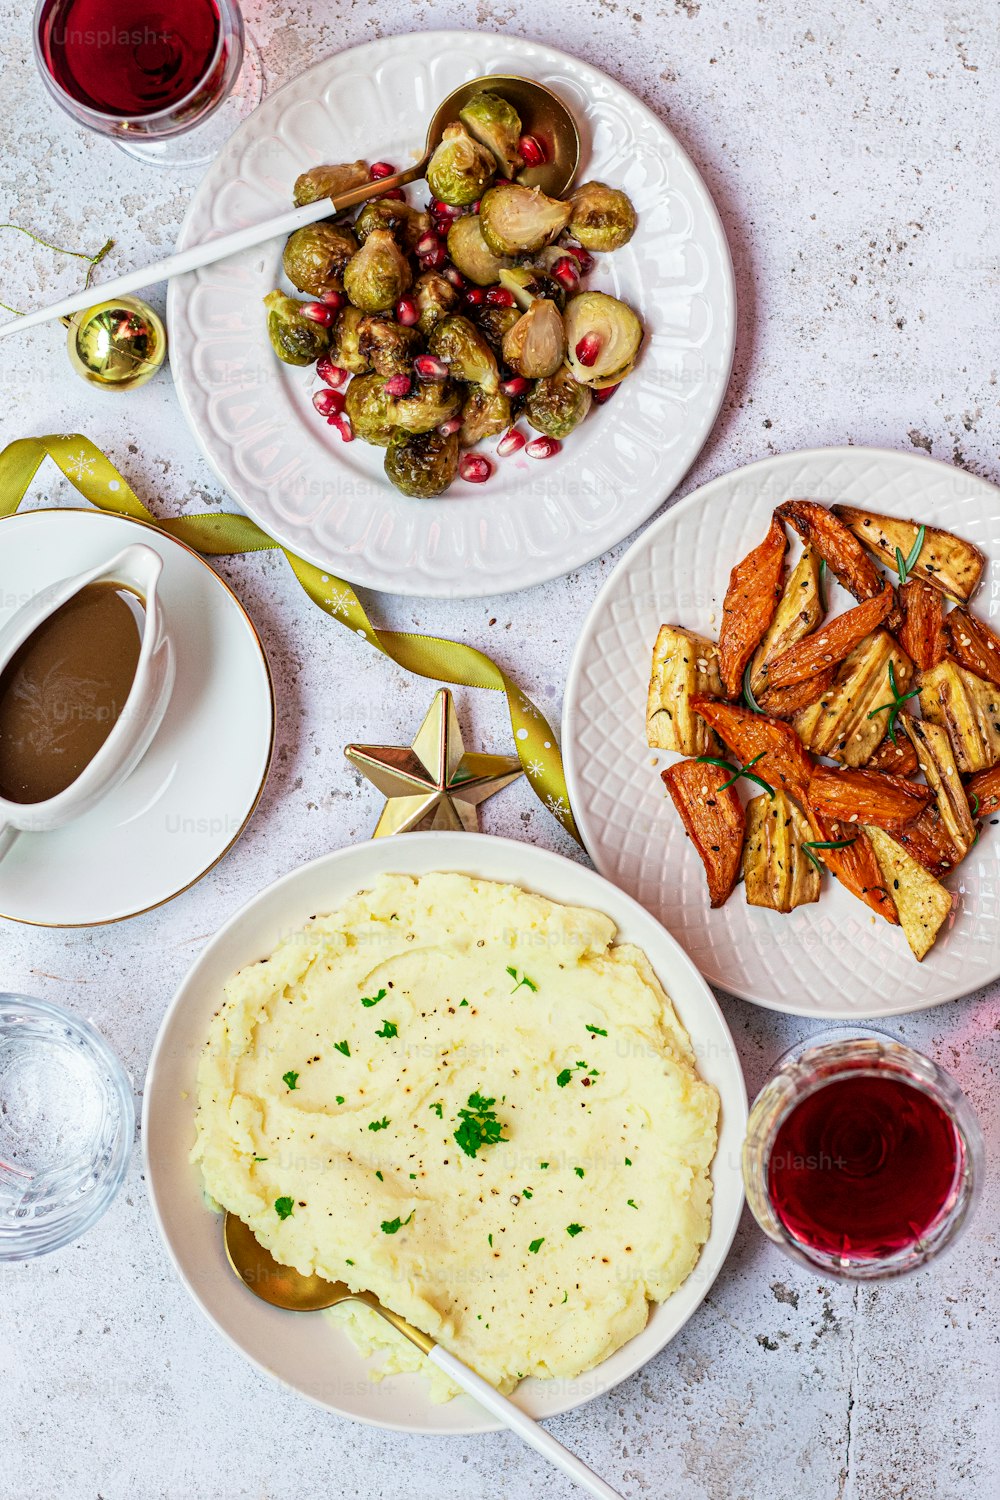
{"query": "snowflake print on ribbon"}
[(79, 466)]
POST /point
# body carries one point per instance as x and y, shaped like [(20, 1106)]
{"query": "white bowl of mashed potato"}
[(473, 1077)]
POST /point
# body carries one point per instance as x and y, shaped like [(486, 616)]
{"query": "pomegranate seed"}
[(474, 468), (318, 313), (511, 441), (588, 349), (475, 296), (532, 151), (331, 373), (398, 385), (427, 244), (445, 210), (435, 260), (454, 275), (342, 422), (601, 396), (498, 296), (407, 312), (582, 257), (441, 226), (567, 271), (396, 193), (543, 447), (429, 367), (475, 206), (515, 386), (452, 425), (328, 402), (333, 299), (379, 170)]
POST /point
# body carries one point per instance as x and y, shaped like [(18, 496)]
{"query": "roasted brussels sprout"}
[(471, 254), (314, 257), (515, 219), (294, 338), (525, 284), (536, 345), (557, 403), (327, 182), (367, 405), (496, 125), (602, 218), (404, 222), (460, 168), (387, 346), (428, 405), (484, 414), (378, 274), (493, 323), (466, 353), (435, 297), (424, 465), (344, 349), (603, 337)]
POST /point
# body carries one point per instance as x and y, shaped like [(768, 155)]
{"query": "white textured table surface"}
[(851, 149)]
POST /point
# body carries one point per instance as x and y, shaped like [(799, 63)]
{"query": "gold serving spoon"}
[(542, 113), (284, 1287)]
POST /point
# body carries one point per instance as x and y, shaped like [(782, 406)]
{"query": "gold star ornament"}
[(433, 783)]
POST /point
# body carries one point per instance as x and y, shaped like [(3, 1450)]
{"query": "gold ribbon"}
[(97, 479)]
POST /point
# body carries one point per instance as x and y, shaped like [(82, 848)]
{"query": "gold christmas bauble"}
[(117, 345)]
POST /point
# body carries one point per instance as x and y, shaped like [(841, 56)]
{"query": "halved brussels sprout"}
[(314, 257), (525, 284), (602, 217), (424, 465), (485, 414), (460, 168), (327, 182), (471, 254), (493, 323), (536, 345), (613, 332), (376, 277), (367, 405), (295, 338), (557, 404), (496, 124), (404, 222), (466, 353), (435, 297), (428, 405), (344, 347), (515, 219), (386, 345)]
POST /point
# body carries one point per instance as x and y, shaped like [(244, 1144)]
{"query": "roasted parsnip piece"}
[(827, 647), (854, 795), (928, 842), (969, 708), (714, 821), (799, 611), (974, 645), (900, 758), (937, 761), (985, 789), (755, 587), (838, 725), (837, 546), (951, 565), (785, 765), (922, 903), (776, 871), (854, 863), (683, 664), (921, 633)]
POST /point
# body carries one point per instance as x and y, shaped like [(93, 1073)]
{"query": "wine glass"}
[(862, 1158), (167, 80)]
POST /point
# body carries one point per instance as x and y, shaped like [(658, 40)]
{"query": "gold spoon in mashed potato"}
[(284, 1287)]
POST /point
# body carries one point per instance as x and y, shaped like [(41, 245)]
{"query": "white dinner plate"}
[(190, 797), (834, 958), (309, 1354), (534, 520)]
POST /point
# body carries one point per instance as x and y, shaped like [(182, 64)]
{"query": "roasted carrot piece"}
[(837, 546), (900, 758), (927, 840), (755, 586), (714, 819), (921, 633), (783, 702), (974, 645), (986, 788), (855, 865), (785, 765), (861, 796), (828, 646)]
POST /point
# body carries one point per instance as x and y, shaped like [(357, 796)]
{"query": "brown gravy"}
[(62, 693)]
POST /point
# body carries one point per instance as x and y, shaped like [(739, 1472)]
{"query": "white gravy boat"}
[(137, 568)]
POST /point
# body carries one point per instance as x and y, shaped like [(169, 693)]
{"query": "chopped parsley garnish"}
[(378, 1174), (536, 1245), (350, 1262), (291, 1079), (438, 1109), (567, 1073), (631, 1203), (544, 1165), (520, 979), (461, 1003), (340, 1098), (283, 1207), (369, 1000), (479, 1125), (391, 1226), (260, 1158), (489, 1241), (379, 1124), (527, 1193), (574, 1229), (578, 1171), (564, 1077), (388, 1029), (565, 1297), (597, 1030), (343, 1047), (628, 1161)]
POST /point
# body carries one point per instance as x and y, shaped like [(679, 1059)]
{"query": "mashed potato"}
[(460, 1096)]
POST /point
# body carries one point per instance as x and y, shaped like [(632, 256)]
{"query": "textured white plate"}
[(309, 1354), (833, 958), (194, 790), (330, 501)]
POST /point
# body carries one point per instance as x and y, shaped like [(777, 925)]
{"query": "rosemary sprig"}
[(748, 697), (898, 699), (807, 848), (93, 261), (726, 765), (905, 565)]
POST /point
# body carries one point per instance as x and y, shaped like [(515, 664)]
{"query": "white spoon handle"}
[(535, 1436), (218, 249)]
